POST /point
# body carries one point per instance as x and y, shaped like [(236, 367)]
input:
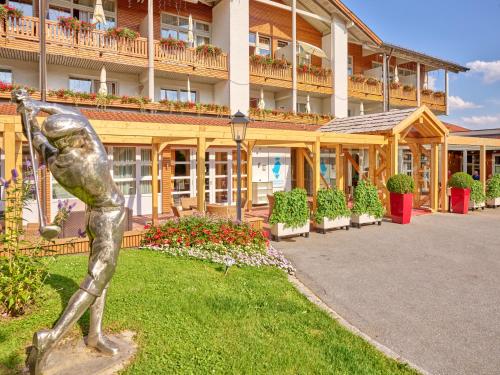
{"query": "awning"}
[(303, 49)]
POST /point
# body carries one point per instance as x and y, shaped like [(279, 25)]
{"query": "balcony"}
[(20, 39), (279, 74), (366, 88)]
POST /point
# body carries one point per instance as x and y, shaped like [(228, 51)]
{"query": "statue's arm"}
[(40, 141)]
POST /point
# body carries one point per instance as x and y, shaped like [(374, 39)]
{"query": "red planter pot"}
[(460, 200), (401, 206)]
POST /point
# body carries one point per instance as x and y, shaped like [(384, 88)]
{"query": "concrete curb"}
[(311, 296)]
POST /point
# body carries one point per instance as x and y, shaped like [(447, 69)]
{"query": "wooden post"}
[(250, 145), (372, 164), (154, 182), (444, 175), (416, 175), (434, 177), (300, 168), (316, 168), (200, 173), (482, 166), (339, 167), (394, 151)]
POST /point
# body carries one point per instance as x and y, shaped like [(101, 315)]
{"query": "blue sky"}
[(463, 31)]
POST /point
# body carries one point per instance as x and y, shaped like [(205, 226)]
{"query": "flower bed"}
[(214, 239)]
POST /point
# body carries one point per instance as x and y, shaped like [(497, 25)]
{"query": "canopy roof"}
[(397, 121)]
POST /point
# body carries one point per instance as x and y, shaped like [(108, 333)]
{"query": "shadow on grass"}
[(66, 287)]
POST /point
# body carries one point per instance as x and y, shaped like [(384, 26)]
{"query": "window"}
[(350, 65), (496, 166), (304, 57), (83, 10), (124, 169), (282, 43), (26, 6), (80, 85), (178, 95), (264, 45), (6, 76), (301, 107), (177, 27)]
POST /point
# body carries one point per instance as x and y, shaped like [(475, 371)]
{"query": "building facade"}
[(291, 66)]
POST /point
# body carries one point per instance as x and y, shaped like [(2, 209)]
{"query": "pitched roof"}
[(133, 116), (455, 128), (373, 123)]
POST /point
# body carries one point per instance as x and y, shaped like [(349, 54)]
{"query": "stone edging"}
[(311, 296)]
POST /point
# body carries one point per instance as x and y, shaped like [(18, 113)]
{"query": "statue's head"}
[(19, 95)]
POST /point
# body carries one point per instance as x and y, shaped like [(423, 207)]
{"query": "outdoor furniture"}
[(220, 210), (256, 223), (189, 203), (179, 212)]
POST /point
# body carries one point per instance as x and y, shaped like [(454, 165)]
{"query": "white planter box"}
[(358, 220), (280, 230), (494, 202), (476, 206), (339, 222)]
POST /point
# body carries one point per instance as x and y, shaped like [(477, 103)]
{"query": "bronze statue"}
[(78, 161)]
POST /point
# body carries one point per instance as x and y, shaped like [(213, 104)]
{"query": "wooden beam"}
[(339, 168), (250, 146), (154, 182), (444, 175), (394, 151), (372, 160), (473, 141), (482, 166), (349, 157), (316, 169), (434, 188), (299, 164), (200, 173)]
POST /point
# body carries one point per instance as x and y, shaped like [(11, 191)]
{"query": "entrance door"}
[(218, 181)]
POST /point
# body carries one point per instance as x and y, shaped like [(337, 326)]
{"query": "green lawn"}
[(192, 319)]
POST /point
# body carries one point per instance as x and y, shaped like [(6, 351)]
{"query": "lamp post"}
[(239, 124)]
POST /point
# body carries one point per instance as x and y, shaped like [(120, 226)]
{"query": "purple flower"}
[(71, 206), (81, 233), (6, 184), (15, 174), (28, 163), (59, 204)]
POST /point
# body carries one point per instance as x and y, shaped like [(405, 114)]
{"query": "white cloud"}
[(487, 121), (457, 102), (489, 69)]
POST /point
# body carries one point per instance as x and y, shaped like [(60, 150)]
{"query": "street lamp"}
[(239, 124)]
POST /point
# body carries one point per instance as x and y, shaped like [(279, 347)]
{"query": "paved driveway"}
[(430, 290)]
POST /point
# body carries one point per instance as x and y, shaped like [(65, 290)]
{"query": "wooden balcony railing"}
[(94, 40), (363, 89), (284, 74), (189, 56)]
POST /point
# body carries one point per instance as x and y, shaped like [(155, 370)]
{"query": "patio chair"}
[(179, 212), (189, 203)]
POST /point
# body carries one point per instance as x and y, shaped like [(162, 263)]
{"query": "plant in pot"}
[(477, 196), (401, 188), (493, 191), (460, 184), (290, 215), (331, 210), (367, 209)]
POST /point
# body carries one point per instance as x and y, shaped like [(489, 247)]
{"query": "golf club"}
[(48, 232)]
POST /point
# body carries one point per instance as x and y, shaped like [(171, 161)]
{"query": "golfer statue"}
[(78, 161)]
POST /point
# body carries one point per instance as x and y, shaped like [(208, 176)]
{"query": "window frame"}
[(8, 70), (178, 91), (71, 6), (179, 28)]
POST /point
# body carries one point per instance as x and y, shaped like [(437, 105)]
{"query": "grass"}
[(191, 319)]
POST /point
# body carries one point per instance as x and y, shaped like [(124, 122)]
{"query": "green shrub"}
[(461, 180), (366, 200), (330, 203), (401, 184), (477, 192), (493, 187), (290, 208)]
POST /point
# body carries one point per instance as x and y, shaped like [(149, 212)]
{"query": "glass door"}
[(184, 175), (218, 173)]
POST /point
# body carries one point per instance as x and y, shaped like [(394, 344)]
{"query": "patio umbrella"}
[(396, 74), (426, 81), (309, 49), (103, 87), (190, 31), (262, 104), (361, 108), (308, 105), (188, 89), (99, 16), (257, 50)]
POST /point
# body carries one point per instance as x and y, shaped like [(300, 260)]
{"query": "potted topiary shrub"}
[(460, 184), (493, 191), (367, 209), (290, 215), (401, 188), (331, 210), (477, 196)]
